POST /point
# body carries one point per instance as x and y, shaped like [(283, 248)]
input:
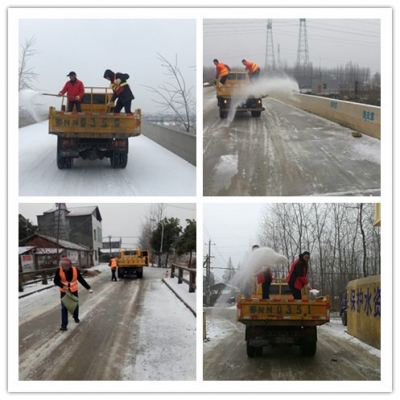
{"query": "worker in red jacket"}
[(67, 278), (222, 71), (121, 91), (75, 90), (253, 70), (297, 277)]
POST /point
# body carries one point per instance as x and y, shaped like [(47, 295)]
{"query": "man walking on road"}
[(67, 278), (113, 265)]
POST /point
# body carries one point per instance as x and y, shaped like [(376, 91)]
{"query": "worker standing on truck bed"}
[(297, 277), (67, 278), (222, 71), (75, 91), (121, 91), (253, 70), (264, 277), (113, 265)]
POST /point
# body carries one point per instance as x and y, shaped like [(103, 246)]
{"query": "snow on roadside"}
[(169, 329), (336, 328)]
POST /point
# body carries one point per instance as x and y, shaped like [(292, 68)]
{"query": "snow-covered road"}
[(151, 170), (130, 330), (285, 152), (339, 357)]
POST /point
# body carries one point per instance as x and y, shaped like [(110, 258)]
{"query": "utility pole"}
[(208, 275)]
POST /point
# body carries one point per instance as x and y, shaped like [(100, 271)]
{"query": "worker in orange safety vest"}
[(67, 278), (253, 70), (113, 265), (222, 71)]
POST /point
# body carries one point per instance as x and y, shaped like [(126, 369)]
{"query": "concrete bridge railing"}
[(180, 143), (360, 117)]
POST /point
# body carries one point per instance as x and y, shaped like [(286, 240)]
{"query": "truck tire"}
[(60, 162), (69, 162), (123, 160), (259, 351), (222, 114), (60, 159), (308, 348), (256, 114), (251, 350), (344, 318)]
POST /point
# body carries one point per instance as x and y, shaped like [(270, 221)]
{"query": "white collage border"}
[(199, 386)]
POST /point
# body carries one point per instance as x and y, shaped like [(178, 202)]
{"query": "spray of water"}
[(261, 88), (254, 262), (33, 108)]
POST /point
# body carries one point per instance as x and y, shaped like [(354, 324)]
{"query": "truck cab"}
[(237, 92), (131, 262)]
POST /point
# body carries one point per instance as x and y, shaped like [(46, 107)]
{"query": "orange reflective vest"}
[(251, 67), (222, 70), (113, 263), (73, 285), (117, 89)]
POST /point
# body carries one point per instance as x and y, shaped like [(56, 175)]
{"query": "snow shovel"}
[(70, 301)]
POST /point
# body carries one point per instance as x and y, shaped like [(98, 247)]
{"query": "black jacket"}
[(124, 92)]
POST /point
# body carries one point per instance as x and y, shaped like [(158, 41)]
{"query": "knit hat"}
[(72, 73), (65, 262)]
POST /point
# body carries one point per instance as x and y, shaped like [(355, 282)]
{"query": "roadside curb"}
[(180, 298), (36, 291)]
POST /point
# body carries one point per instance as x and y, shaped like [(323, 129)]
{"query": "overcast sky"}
[(331, 42), (90, 46), (118, 220), (233, 229)]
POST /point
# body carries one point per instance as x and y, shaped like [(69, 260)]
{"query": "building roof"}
[(24, 249), (79, 211), (222, 286), (64, 243)]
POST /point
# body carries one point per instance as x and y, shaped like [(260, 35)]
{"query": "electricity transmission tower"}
[(302, 64), (269, 51)]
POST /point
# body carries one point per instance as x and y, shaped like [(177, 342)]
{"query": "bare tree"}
[(26, 75), (175, 96)]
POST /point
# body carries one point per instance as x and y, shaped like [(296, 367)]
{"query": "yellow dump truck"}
[(236, 93), (94, 133), (281, 320), (131, 262)]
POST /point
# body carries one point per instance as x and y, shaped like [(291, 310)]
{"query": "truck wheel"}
[(256, 114), (259, 351), (308, 348), (344, 319), (222, 114), (60, 162), (114, 160), (69, 162), (251, 350), (123, 160)]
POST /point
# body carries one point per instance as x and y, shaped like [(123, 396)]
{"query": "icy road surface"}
[(285, 152), (130, 330), (339, 356), (151, 170)]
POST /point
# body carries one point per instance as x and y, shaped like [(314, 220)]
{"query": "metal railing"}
[(177, 271)]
